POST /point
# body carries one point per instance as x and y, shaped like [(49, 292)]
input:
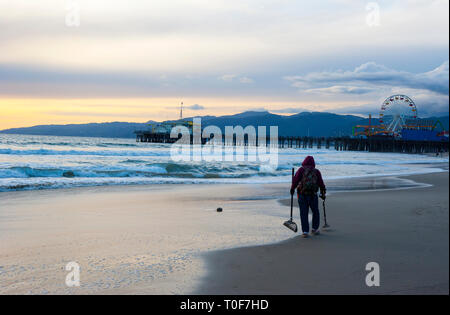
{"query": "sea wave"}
[(48, 183), (8, 184), (149, 170), (83, 152)]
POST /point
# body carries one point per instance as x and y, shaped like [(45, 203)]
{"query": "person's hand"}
[(323, 196), (292, 192)]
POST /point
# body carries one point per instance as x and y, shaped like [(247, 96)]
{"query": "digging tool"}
[(290, 224)]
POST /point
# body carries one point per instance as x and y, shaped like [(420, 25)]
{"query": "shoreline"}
[(333, 262), (432, 168)]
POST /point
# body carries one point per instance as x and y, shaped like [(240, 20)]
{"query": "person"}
[(308, 180)]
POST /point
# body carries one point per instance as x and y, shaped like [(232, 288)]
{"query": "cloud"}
[(257, 109), (232, 77), (178, 36), (196, 107), (94, 114), (371, 76), (227, 77), (222, 52), (289, 110), (340, 89), (365, 110), (246, 80), (428, 104)]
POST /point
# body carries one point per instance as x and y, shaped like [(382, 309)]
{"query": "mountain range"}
[(318, 124)]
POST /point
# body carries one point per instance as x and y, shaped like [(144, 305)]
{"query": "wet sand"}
[(405, 231), (127, 240)]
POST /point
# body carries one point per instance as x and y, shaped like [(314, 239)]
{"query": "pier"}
[(369, 144)]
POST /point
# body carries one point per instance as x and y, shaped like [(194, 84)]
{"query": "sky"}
[(79, 61)]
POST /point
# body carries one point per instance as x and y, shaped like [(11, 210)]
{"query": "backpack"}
[(309, 185)]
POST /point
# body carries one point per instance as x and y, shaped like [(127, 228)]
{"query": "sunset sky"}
[(137, 60)]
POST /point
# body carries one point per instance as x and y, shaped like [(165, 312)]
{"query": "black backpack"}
[(309, 185)]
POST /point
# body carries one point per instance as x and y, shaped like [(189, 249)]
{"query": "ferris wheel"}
[(396, 112)]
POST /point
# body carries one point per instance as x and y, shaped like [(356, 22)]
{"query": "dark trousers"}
[(305, 202)]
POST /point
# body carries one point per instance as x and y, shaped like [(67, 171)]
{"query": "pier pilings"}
[(371, 144)]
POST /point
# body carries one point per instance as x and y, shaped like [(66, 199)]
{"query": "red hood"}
[(309, 162)]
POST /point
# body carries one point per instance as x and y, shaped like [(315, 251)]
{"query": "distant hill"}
[(318, 124), (314, 124), (102, 130)]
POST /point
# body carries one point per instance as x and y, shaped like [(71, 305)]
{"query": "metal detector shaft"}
[(325, 214), (292, 196), (292, 205)]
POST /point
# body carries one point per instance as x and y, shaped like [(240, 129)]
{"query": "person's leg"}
[(304, 209), (314, 204)]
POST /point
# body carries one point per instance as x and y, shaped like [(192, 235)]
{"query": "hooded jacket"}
[(307, 163)]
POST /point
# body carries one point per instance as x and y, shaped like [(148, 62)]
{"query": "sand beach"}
[(169, 239)]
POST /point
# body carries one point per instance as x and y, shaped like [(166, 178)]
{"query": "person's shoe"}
[(315, 232), (305, 235)]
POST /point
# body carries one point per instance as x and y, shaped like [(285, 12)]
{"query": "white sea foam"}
[(36, 162)]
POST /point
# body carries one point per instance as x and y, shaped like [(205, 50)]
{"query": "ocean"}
[(46, 162)]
